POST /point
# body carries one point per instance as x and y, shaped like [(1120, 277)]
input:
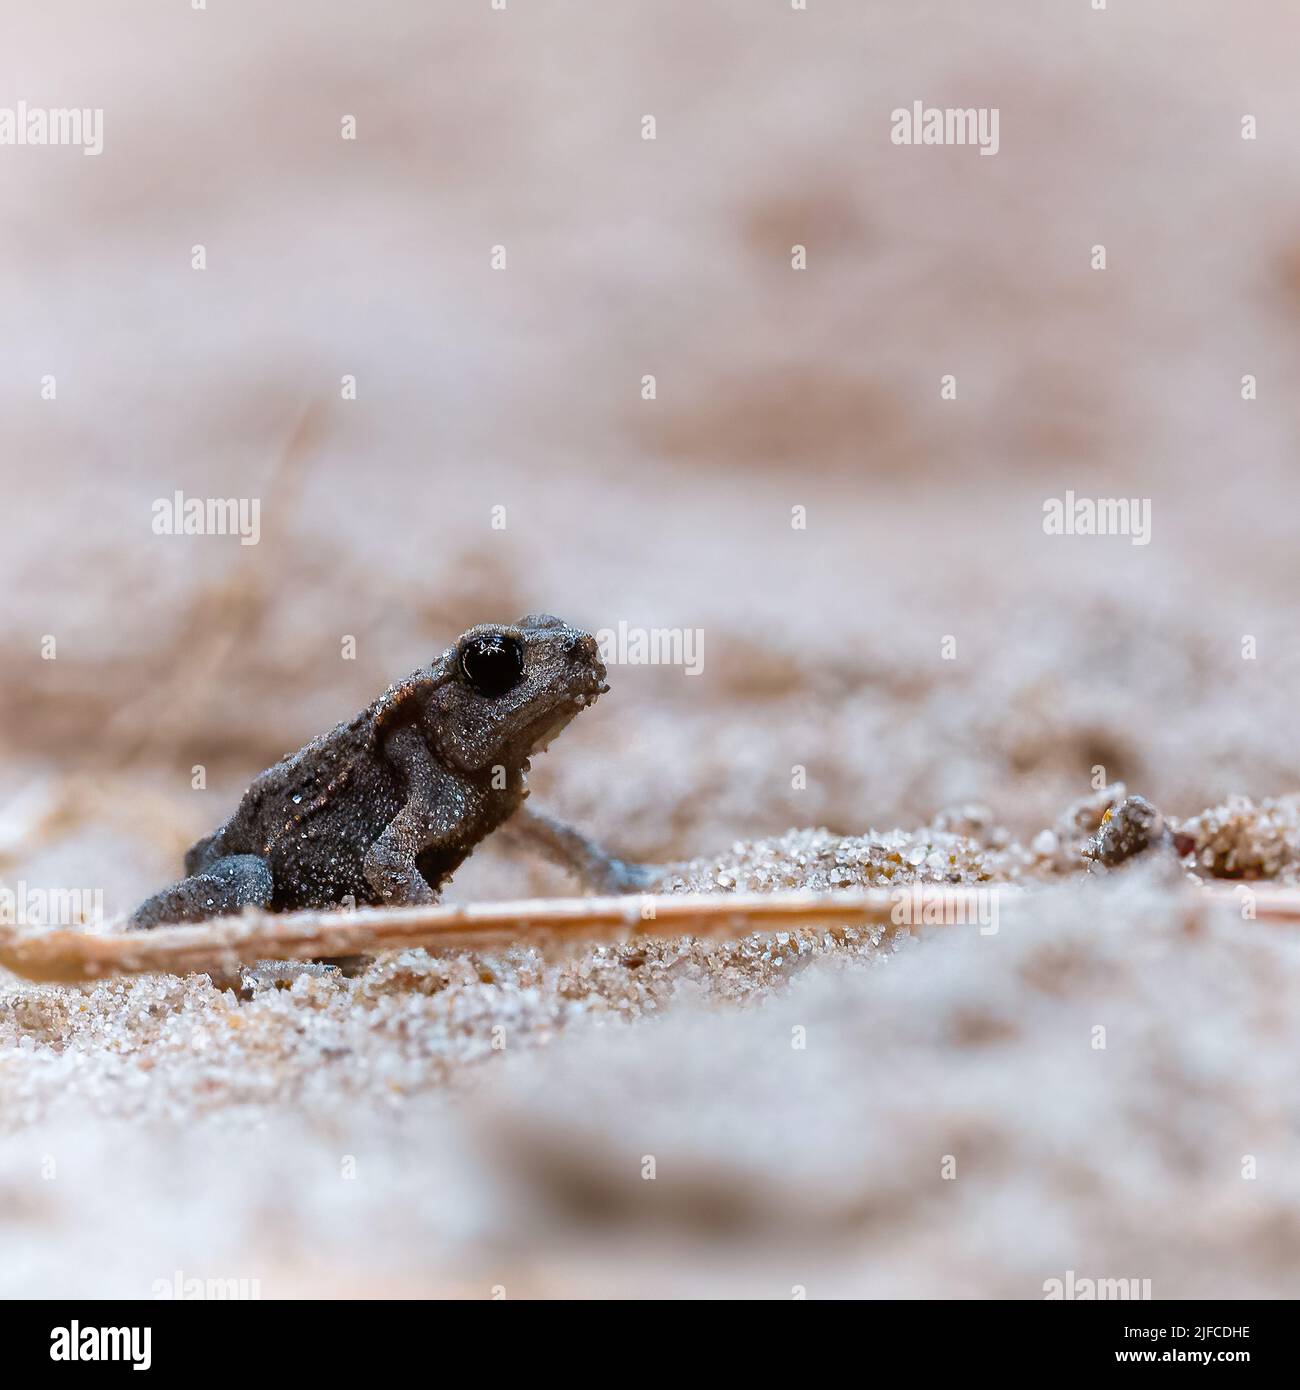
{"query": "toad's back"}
[(312, 817)]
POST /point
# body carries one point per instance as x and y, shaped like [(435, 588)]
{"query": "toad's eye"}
[(492, 665)]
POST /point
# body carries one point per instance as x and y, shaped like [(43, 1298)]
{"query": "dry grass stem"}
[(68, 957)]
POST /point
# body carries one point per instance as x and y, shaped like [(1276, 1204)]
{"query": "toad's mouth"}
[(554, 722)]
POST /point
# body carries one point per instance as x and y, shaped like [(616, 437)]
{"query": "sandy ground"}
[(466, 1123)]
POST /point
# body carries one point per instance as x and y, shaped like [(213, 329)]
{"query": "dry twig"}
[(66, 956), (72, 957)]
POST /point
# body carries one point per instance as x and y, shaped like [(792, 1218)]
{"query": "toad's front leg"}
[(599, 870), (432, 818)]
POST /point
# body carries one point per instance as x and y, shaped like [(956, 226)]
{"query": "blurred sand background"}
[(195, 1133)]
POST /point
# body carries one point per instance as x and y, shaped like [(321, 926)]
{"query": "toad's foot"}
[(226, 886)]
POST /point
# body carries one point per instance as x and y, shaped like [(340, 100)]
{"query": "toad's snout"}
[(583, 651), (582, 647)]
